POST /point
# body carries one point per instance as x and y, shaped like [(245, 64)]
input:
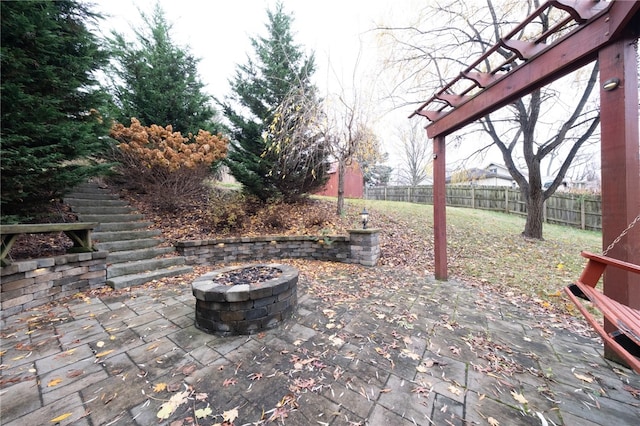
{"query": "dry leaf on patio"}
[(493, 422), (204, 412), (454, 390), (230, 416), (583, 378), (61, 417), (229, 382), (519, 397), (54, 382), (104, 353), (167, 409), (410, 354), (174, 387), (74, 373), (189, 369), (159, 387)]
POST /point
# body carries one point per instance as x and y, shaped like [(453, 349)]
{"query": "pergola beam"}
[(575, 50)]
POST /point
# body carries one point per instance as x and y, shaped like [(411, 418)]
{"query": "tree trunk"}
[(535, 213), (341, 172)]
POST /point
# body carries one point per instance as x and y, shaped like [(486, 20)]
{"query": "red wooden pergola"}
[(590, 30)]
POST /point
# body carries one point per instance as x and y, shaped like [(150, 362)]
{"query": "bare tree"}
[(349, 136), (541, 125), (416, 161)]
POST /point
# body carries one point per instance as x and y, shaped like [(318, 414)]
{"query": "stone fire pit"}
[(245, 299)]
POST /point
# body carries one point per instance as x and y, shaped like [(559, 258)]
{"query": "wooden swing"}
[(625, 339)]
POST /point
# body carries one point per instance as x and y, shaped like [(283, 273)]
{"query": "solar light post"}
[(365, 218)]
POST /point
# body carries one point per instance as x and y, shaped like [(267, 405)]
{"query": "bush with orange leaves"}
[(158, 160)]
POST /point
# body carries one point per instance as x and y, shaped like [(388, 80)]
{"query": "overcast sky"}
[(219, 32)]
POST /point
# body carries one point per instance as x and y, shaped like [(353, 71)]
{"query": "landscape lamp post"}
[(365, 218)]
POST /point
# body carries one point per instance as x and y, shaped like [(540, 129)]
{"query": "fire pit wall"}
[(245, 308)]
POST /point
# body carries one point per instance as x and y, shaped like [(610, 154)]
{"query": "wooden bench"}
[(625, 340), (78, 232)]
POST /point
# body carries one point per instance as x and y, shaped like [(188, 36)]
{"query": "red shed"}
[(353, 182)]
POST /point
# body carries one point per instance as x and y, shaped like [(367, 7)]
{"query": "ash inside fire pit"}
[(248, 275), (245, 299)]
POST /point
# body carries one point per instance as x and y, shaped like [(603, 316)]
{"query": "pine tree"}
[(157, 82), (260, 87), (51, 104)]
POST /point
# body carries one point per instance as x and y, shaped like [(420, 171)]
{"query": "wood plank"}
[(41, 228)]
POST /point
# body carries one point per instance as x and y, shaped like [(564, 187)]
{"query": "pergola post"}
[(620, 150), (439, 208)]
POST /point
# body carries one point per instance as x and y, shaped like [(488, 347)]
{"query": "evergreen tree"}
[(260, 87), (51, 103), (157, 82)]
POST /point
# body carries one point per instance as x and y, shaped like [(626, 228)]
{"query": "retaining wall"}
[(361, 246), (30, 283)]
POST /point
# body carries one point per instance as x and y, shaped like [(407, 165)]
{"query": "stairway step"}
[(121, 226), (137, 279), (101, 210), (116, 257), (108, 218), (140, 266), (106, 237), (88, 202), (94, 196), (128, 245)]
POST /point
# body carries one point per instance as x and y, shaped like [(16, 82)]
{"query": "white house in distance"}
[(492, 175)]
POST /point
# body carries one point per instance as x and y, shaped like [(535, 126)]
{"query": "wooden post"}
[(620, 170), (439, 208)]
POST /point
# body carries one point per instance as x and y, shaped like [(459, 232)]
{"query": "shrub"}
[(229, 210), (163, 162)]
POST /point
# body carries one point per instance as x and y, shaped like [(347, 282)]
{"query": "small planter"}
[(245, 299)]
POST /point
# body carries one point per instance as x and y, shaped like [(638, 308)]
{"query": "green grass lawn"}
[(488, 246)]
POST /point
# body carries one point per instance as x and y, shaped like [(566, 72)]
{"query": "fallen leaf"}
[(204, 412), (61, 417), (54, 382), (74, 373), (583, 378), (167, 409), (229, 382), (519, 397), (104, 353), (174, 387), (493, 422), (230, 415), (454, 390), (100, 344), (159, 387), (188, 369)]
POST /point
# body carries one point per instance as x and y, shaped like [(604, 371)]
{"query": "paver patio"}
[(373, 346)]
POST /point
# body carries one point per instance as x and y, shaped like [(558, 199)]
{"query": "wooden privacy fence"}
[(578, 210)]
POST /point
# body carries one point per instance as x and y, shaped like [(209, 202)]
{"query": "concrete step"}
[(140, 266), (109, 218), (139, 254), (122, 226), (137, 279), (89, 192), (128, 245), (101, 210), (106, 237), (88, 202)]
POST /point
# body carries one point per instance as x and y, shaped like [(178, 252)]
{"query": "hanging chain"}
[(622, 234)]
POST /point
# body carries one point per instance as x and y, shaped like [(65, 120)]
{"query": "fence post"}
[(544, 211), (473, 197), (506, 199), (583, 216)]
